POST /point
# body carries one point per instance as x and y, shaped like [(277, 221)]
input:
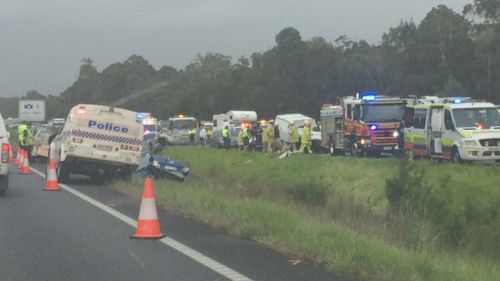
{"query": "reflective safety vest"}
[(240, 137), (210, 132), (265, 134), (28, 138), (244, 134), (306, 135), (224, 133)]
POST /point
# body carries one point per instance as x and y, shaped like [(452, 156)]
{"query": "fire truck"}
[(372, 124)]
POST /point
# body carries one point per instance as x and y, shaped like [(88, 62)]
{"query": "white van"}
[(455, 129), (4, 160), (98, 140), (283, 121)]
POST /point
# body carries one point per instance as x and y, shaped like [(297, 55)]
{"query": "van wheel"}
[(62, 172), (455, 155)]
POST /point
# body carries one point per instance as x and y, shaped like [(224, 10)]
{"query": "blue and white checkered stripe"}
[(104, 137)]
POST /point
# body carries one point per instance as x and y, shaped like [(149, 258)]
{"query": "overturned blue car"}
[(159, 166)]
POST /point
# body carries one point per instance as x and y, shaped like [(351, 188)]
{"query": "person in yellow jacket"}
[(25, 138), (240, 138), (293, 136), (246, 138), (306, 138), (225, 137), (265, 137)]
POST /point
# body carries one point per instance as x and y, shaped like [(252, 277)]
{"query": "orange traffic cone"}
[(21, 158), (51, 182), (18, 156), (25, 169), (148, 225)]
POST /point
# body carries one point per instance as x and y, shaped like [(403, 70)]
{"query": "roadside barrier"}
[(148, 225), (51, 182), (25, 169)]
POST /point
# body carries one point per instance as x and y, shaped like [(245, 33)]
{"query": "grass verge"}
[(268, 200)]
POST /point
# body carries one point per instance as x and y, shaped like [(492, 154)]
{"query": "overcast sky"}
[(42, 42)]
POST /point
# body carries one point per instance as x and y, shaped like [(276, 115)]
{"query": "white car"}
[(4, 158)]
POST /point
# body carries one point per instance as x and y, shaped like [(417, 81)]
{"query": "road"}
[(82, 233)]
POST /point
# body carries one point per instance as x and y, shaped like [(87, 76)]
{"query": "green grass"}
[(334, 211)]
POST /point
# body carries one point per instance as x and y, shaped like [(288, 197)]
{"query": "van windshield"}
[(187, 124), (382, 112), (476, 118)]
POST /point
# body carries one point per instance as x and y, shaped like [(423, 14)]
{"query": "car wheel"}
[(62, 172), (4, 184), (455, 155)]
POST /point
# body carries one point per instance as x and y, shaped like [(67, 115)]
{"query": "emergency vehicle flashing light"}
[(373, 127), (457, 100), (81, 110), (368, 96), (139, 117)]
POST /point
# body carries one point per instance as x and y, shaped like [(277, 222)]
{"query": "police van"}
[(98, 140), (456, 129)]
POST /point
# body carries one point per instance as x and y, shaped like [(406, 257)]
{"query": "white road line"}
[(183, 249)]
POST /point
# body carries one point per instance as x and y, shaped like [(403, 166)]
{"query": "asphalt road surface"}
[(82, 233)]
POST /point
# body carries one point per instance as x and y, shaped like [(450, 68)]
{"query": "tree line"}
[(447, 54)]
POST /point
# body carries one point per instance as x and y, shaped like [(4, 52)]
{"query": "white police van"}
[(98, 140)]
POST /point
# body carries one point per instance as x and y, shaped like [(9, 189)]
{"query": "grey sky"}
[(42, 42)]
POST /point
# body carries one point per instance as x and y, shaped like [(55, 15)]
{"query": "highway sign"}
[(32, 110)]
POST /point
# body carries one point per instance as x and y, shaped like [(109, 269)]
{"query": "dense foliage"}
[(446, 54)]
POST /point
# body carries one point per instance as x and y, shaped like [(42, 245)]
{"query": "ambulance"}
[(98, 140), (457, 129)]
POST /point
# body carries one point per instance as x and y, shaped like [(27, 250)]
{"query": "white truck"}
[(284, 120), (4, 158), (234, 118), (176, 129), (98, 140)]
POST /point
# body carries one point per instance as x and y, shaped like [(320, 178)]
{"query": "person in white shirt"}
[(203, 136)]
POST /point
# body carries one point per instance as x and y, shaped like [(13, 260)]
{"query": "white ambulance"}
[(98, 140), (454, 128)]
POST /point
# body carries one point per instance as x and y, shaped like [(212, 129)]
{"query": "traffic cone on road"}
[(148, 225), (51, 181), (25, 169), (21, 158), (18, 156)]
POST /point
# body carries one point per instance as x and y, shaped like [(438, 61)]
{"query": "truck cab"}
[(176, 130), (372, 123)]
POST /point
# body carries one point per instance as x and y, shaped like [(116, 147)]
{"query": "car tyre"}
[(62, 172), (455, 155), (4, 185)]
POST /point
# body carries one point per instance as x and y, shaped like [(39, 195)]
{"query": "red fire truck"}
[(372, 123)]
